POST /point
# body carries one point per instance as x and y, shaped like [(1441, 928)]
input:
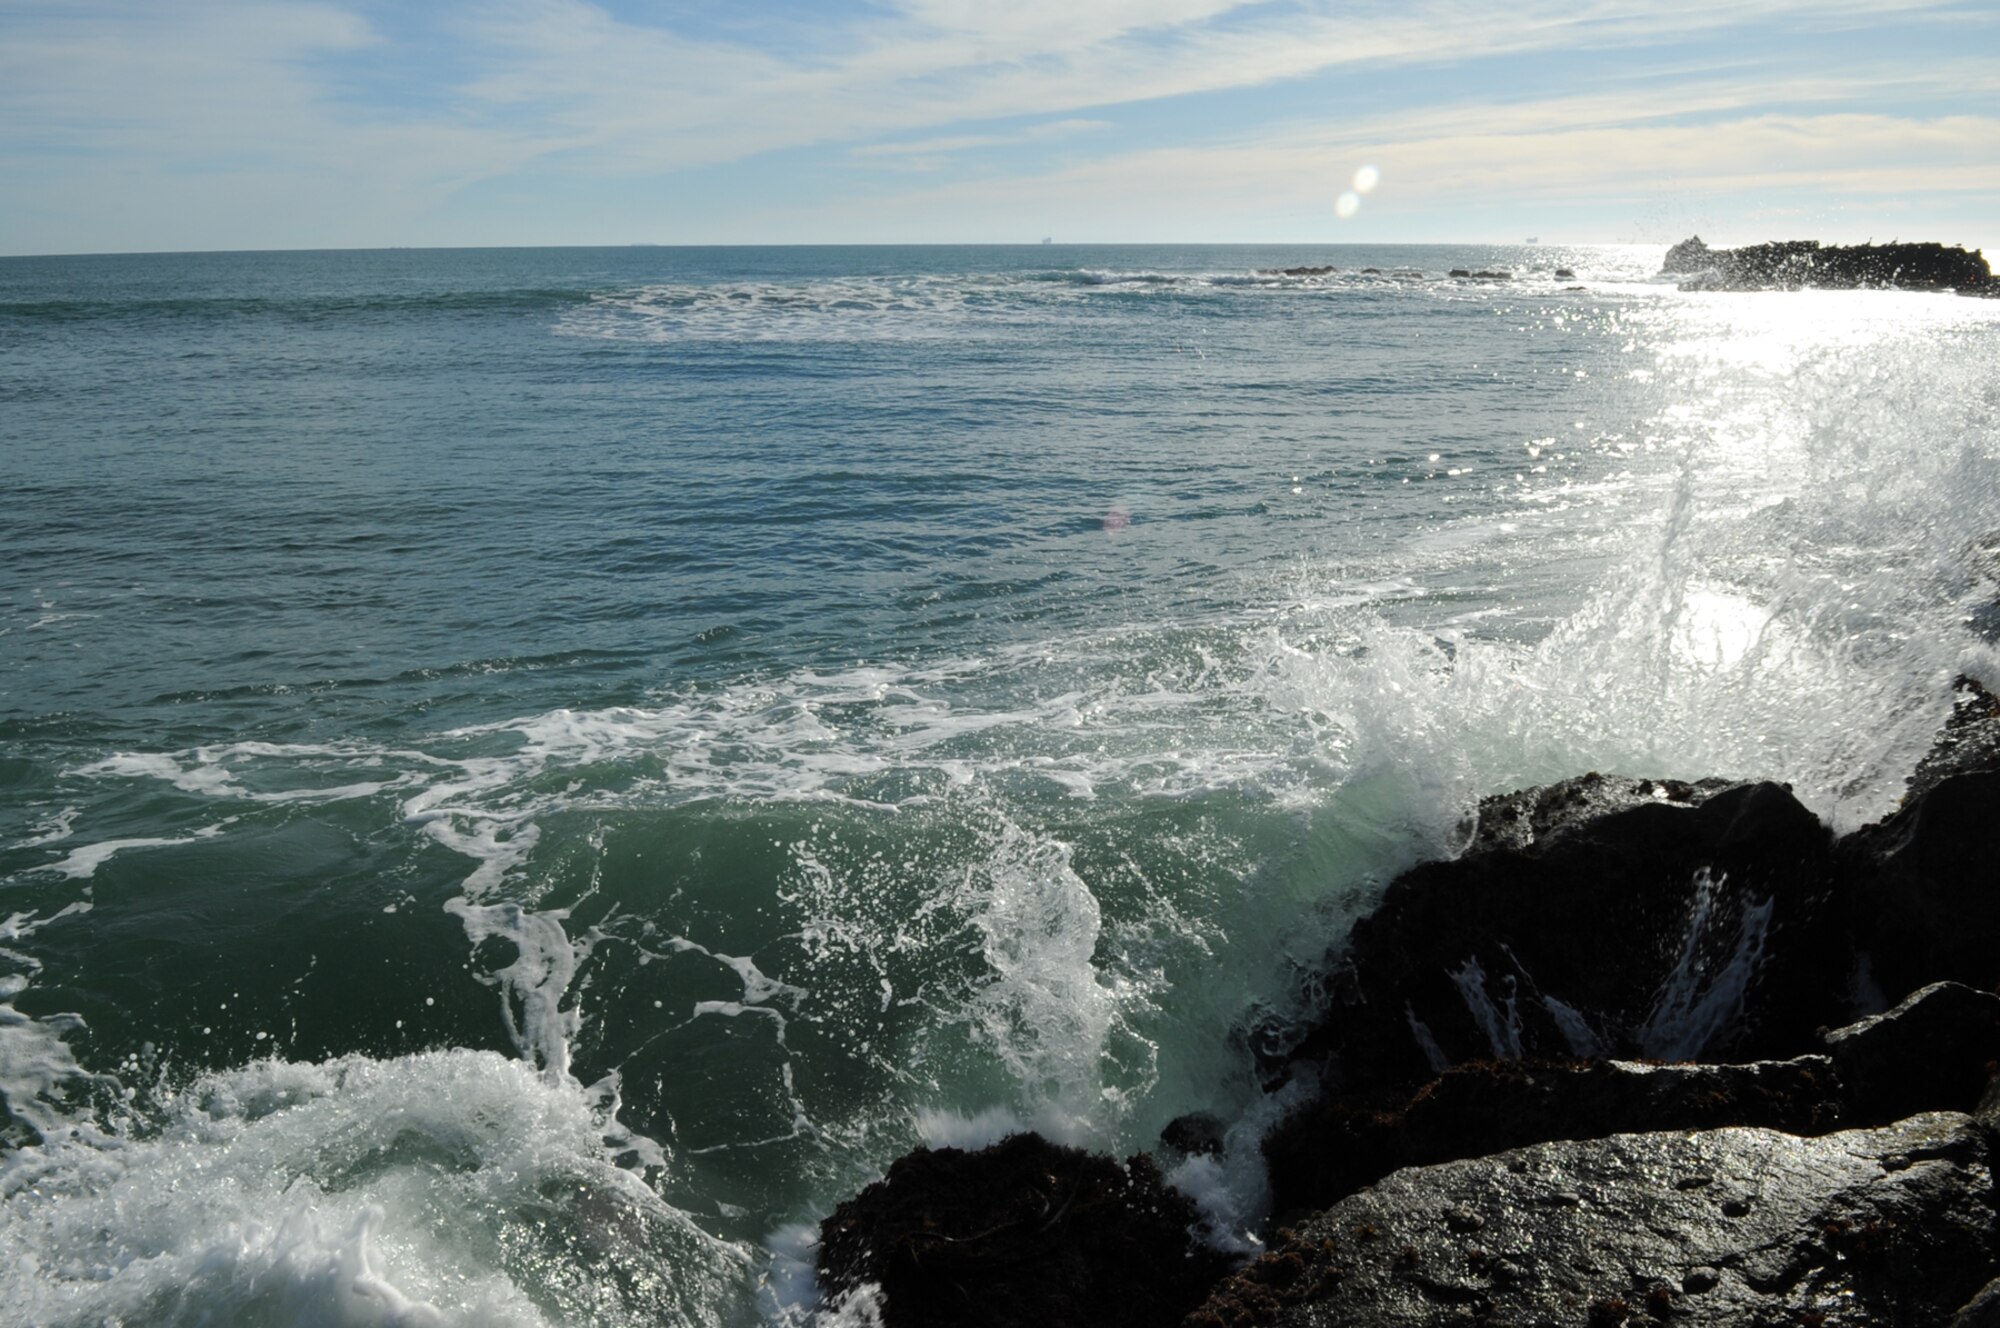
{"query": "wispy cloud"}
[(933, 150), (309, 120)]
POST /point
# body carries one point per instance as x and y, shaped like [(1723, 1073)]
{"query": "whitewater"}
[(528, 776)]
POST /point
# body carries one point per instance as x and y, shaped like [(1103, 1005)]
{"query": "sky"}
[(167, 125)]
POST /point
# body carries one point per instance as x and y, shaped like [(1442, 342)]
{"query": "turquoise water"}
[(525, 776)]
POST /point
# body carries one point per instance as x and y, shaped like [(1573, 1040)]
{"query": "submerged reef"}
[(1792, 264), (1647, 1052)]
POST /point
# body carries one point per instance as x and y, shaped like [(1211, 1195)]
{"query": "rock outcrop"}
[(1887, 1226), (1791, 264), (1023, 1233), (1934, 1051), (1922, 880), (1623, 1061), (1602, 916)]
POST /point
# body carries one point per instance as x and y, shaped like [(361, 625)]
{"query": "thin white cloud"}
[(1524, 158), (928, 147), (645, 98), (306, 114)]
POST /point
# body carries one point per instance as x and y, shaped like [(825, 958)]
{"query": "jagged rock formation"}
[(1602, 916), (1791, 264), (1491, 1144)]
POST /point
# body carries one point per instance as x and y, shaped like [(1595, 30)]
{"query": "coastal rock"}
[(1197, 1133), (1935, 1050), (1599, 917), (1790, 264), (1922, 894), (1968, 744), (1893, 1225), (1025, 1234), (1334, 1146)]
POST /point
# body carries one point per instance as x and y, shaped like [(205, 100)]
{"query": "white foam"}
[(440, 1189), (53, 829), (1700, 1000), (952, 1129), (1501, 1028), (1576, 1030), (1232, 1191), (1045, 1010), (82, 863)]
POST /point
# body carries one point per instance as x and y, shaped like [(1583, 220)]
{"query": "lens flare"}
[(1347, 205), (1366, 179)]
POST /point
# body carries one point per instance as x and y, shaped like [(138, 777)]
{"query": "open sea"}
[(527, 776)]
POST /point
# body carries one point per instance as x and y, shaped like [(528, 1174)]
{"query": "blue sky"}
[(224, 124)]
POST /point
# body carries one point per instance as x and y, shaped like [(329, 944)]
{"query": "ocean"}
[(527, 776)]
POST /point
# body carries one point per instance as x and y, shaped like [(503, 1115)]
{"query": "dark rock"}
[(1564, 274), (1690, 255), (1196, 1132), (1790, 264), (1923, 894), (1334, 1146), (1527, 817), (1968, 743), (1887, 1226), (1297, 271), (1025, 1233), (1598, 917), (1982, 1311), (1933, 1051), (1461, 272)]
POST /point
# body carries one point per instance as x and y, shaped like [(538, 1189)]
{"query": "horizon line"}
[(856, 244)]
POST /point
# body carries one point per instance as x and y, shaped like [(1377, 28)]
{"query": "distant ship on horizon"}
[(1532, 239), (1048, 239)]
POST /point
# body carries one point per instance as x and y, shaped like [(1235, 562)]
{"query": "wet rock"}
[(1968, 744), (1598, 917), (1327, 270), (1923, 900), (1982, 1311), (1198, 1132), (1933, 1051), (1333, 1146), (1887, 1226), (1564, 274), (1527, 817), (1025, 1234)]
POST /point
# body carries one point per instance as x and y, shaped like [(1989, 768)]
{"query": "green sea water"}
[(526, 776)]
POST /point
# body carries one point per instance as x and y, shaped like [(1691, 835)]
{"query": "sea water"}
[(527, 776)]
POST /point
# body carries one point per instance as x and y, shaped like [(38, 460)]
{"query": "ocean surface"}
[(527, 776)]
